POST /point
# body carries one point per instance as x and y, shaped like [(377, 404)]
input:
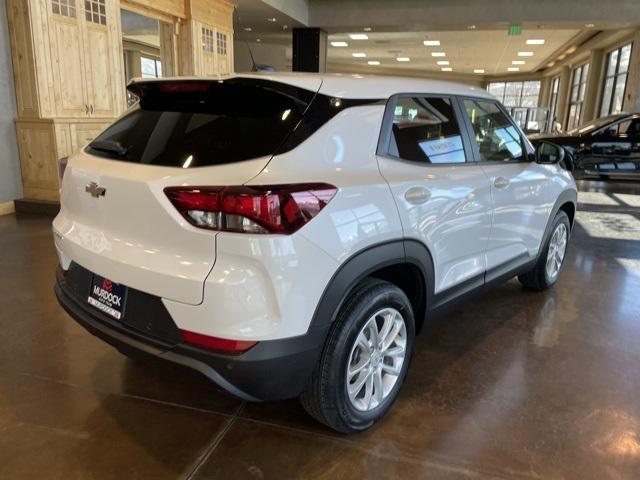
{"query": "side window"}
[(425, 129), (497, 138)]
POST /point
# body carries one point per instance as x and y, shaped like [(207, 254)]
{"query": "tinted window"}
[(425, 129), (495, 135), (191, 124)]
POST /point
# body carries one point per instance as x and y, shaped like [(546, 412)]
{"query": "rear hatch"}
[(115, 219)]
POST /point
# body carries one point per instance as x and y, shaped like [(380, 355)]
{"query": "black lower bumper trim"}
[(272, 370)]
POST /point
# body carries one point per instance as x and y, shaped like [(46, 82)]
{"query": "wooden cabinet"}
[(72, 59)]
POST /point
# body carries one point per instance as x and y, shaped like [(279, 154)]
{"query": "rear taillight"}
[(214, 343), (62, 166), (251, 209)]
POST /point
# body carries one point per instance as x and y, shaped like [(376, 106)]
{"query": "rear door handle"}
[(501, 182), (417, 195)]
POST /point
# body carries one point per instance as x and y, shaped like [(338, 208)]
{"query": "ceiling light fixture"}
[(589, 25), (431, 43), (339, 44), (443, 62), (359, 54), (373, 62), (525, 54), (447, 69), (438, 54), (403, 59), (478, 70), (513, 69), (359, 36), (367, 29), (272, 19), (535, 41), (518, 62), (247, 29), (471, 27)]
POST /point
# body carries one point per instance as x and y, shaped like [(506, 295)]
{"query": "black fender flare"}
[(365, 262), (567, 196)]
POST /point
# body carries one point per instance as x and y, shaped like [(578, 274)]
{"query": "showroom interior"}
[(512, 384)]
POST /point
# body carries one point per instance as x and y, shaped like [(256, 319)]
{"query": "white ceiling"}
[(490, 50)]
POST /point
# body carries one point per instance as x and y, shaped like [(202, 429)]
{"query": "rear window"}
[(201, 123)]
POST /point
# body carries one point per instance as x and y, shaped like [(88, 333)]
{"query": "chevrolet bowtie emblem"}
[(95, 190)]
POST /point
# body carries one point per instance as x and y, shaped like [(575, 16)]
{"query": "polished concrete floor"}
[(516, 384)]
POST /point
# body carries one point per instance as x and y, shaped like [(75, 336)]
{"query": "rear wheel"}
[(547, 269), (365, 359)]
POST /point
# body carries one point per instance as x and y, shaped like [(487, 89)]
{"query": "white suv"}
[(289, 235)]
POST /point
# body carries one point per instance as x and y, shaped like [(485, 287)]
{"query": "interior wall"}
[(10, 183), (264, 54)]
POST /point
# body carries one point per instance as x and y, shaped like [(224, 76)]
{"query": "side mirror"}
[(549, 153)]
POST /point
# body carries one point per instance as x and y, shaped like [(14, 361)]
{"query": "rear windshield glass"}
[(201, 123)]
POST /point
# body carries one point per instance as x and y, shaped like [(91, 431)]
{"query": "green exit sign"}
[(514, 30)]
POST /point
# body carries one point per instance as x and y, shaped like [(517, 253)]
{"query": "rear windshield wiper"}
[(111, 146)]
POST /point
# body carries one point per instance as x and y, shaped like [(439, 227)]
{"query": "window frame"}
[(584, 78), (527, 149), (386, 130), (553, 98), (614, 76)]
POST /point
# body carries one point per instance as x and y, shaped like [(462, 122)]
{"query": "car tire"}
[(329, 395), (541, 277)]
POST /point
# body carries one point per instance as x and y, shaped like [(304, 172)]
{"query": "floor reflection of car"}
[(606, 147)]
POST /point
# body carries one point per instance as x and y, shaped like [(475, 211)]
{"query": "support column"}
[(545, 92), (632, 94), (309, 50), (592, 93), (563, 96)]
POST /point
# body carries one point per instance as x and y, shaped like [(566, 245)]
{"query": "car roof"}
[(359, 86), (354, 86)]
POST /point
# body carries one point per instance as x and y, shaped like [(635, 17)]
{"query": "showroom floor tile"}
[(514, 384)]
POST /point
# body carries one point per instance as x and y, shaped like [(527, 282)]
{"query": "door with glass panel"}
[(443, 197), (518, 186)]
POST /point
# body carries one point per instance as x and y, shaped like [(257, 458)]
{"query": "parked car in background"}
[(606, 147)]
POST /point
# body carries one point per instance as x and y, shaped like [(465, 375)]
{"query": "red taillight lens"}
[(214, 343), (251, 209)]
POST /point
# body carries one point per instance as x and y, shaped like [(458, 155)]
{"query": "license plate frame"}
[(107, 296)]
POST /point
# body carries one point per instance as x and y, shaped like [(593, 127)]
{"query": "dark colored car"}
[(606, 147)]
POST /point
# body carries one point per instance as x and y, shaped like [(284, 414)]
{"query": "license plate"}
[(107, 296)]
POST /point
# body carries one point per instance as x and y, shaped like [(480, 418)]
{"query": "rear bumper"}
[(271, 370)]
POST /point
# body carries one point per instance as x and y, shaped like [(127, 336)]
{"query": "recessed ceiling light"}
[(562, 57), (551, 64), (518, 62), (258, 40), (247, 29), (525, 54), (443, 62), (478, 70), (447, 69), (535, 41), (403, 59), (471, 27), (359, 36), (570, 50), (513, 69), (272, 19), (359, 54), (367, 29), (373, 62), (431, 43), (589, 25), (438, 54), (339, 44)]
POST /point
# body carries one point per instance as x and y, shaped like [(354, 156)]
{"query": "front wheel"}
[(365, 359), (547, 270)]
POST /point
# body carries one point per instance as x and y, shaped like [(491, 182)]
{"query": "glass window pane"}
[(497, 90), (618, 94), (612, 62), (607, 92), (426, 130), (496, 137), (625, 54), (147, 67)]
